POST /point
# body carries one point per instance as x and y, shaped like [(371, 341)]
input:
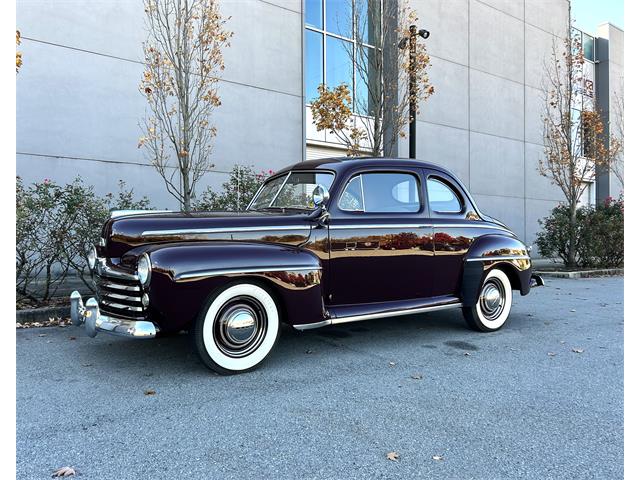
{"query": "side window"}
[(381, 193), (442, 198), (351, 199)]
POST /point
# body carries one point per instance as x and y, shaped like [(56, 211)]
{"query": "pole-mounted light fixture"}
[(411, 41)]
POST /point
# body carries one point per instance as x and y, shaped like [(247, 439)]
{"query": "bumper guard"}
[(95, 322)]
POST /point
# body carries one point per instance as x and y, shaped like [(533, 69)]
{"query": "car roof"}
[(341, 163)]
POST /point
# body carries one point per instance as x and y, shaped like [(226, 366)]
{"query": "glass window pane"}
[(351, 198), (339, 64), (367, 81), (367, 16), (298, 189), (313, 13), (339, 17), (390, 192), (270, 188), (442, 199), (312, 64), (588, 47)]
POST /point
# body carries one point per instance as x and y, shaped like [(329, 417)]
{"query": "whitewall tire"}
[(494, 303), (237, 328)]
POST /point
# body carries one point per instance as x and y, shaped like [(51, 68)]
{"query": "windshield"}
[(292, 190)]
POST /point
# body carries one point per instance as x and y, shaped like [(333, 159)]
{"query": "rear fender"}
[(495, 251), (186, 274)]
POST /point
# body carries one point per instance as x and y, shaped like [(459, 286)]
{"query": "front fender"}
[(490, 251), (185, 275)]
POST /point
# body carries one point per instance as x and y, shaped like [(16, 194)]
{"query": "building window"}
[(588, 44), (332, 47)]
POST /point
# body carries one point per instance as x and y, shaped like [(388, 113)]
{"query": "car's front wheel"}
[(494, 303), (237, 329)]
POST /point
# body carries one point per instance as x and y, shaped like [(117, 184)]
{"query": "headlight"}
[(144, 269), (91, 257)]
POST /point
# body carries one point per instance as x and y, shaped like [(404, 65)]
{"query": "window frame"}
[(287, 174), (461, 198), (418, 178), (326, 33)]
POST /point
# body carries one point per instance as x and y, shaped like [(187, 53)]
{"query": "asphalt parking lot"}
[(542, 398)]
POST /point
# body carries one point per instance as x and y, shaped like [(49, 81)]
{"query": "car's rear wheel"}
[(494, 303), (237, 329)]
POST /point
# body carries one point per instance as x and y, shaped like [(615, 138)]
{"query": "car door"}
[(380, 241), (456, 225)]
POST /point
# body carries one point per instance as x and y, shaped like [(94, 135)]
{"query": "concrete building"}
[(78, 104)]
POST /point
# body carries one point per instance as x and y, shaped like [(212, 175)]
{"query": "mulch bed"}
[(52, 322)]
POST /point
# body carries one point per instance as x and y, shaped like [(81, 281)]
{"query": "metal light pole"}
[(411, 40)]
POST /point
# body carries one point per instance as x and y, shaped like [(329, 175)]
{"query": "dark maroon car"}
[(322, 242)]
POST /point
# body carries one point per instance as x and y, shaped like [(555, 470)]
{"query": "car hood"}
[(122, 233)]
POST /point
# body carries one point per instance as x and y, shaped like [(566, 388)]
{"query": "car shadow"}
[(173, 355)]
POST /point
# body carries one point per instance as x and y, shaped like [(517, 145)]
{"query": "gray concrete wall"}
[(78, 104), (609, 85), (484, 120)]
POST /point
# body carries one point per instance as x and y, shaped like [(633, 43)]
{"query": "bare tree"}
[(377, 116), (183, 56), (616, 132), (573, 129)]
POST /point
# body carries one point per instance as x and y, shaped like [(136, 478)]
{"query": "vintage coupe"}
[(322, 242)]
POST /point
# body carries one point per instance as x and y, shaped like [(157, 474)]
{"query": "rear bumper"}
[(95, 322)]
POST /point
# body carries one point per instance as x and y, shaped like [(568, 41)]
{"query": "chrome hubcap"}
[(240, 326), (492, 299)]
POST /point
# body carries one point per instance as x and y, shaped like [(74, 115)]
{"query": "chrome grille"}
[(119, 292)]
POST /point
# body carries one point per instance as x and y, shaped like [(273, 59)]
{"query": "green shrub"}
[(56, 225), (236, 193), (599, 235)]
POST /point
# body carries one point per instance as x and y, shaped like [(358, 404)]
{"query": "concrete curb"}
[(602, 272), (41, 314)]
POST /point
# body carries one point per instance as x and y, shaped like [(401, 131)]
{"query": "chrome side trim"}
[(423, 225), (353, 227), (123, 213), (496, 258), (371, 316), (204, 231), (234, 271)]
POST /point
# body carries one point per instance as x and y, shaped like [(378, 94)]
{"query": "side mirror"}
[(320, 196)]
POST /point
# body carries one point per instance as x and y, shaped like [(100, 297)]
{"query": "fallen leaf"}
[(438, 457), (149, 392), (577, 350), (64, 472), (551, 354), (417, 376), (393, 456), (392, 364)]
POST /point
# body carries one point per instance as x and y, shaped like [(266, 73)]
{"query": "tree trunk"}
[(571, 254), (186, 191)]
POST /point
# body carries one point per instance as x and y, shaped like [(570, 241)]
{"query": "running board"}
[(372, 316)]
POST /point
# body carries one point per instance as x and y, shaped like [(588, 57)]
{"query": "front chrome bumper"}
[(95, 322)]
